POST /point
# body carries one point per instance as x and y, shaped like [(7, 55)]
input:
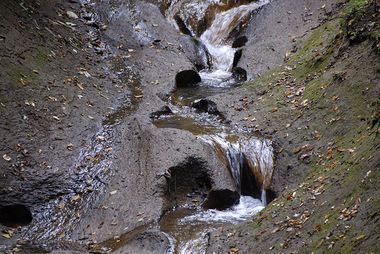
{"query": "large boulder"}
[(187, 78)]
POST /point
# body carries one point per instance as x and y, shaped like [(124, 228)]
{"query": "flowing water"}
[(248, 158), (215, 38)]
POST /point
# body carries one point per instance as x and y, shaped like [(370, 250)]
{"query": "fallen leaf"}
[(360, 237), (70, 147), (234, 250), (61, 205), (71, 14), (75, 198), (80, 86), (6, 235), (7, 157)]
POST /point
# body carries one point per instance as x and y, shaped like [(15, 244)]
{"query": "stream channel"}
[(248, 157)]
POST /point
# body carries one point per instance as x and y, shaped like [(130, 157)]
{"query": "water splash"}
[(247, 207), (197, 245)]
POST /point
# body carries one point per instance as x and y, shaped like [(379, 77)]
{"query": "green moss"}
[(22, 76), (320, 37), (331, 98), (354, 6), (265, 79), (41, 58)]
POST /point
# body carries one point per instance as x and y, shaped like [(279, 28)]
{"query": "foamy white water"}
[(197, 245), (247, 207)]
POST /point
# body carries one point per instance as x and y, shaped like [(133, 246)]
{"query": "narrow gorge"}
[(189, 126)]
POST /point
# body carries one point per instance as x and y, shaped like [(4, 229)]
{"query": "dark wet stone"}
[(181, 25), (239, 74), (165, 110), (270, 195), (237, 57), (205, 105), (15, 215), (187, 78), (156, 42), (196, 52), (240, 42), (221, 199)]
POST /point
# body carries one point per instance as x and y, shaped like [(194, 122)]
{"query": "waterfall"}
[(239, 153), (214, 38)]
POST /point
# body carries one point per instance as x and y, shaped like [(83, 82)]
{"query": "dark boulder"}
[(207, 106), (187, 78), (221, 199), (165, 110), (239, 74), (237, 57), (181, 25), (240, 42)]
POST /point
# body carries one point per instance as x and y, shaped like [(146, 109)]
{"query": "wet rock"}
[(165, 110), (270, 195), (15, 215), (187, 78), (151, 241), (196, 52), (240, 42), (237, 57), (181, 25), (239, 74), (221, 199), (205, 105)]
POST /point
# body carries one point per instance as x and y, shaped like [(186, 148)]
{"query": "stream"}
[(193, 207), (248, 157)]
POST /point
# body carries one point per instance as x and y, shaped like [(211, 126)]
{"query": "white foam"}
[(247, 207), (197, 245)]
